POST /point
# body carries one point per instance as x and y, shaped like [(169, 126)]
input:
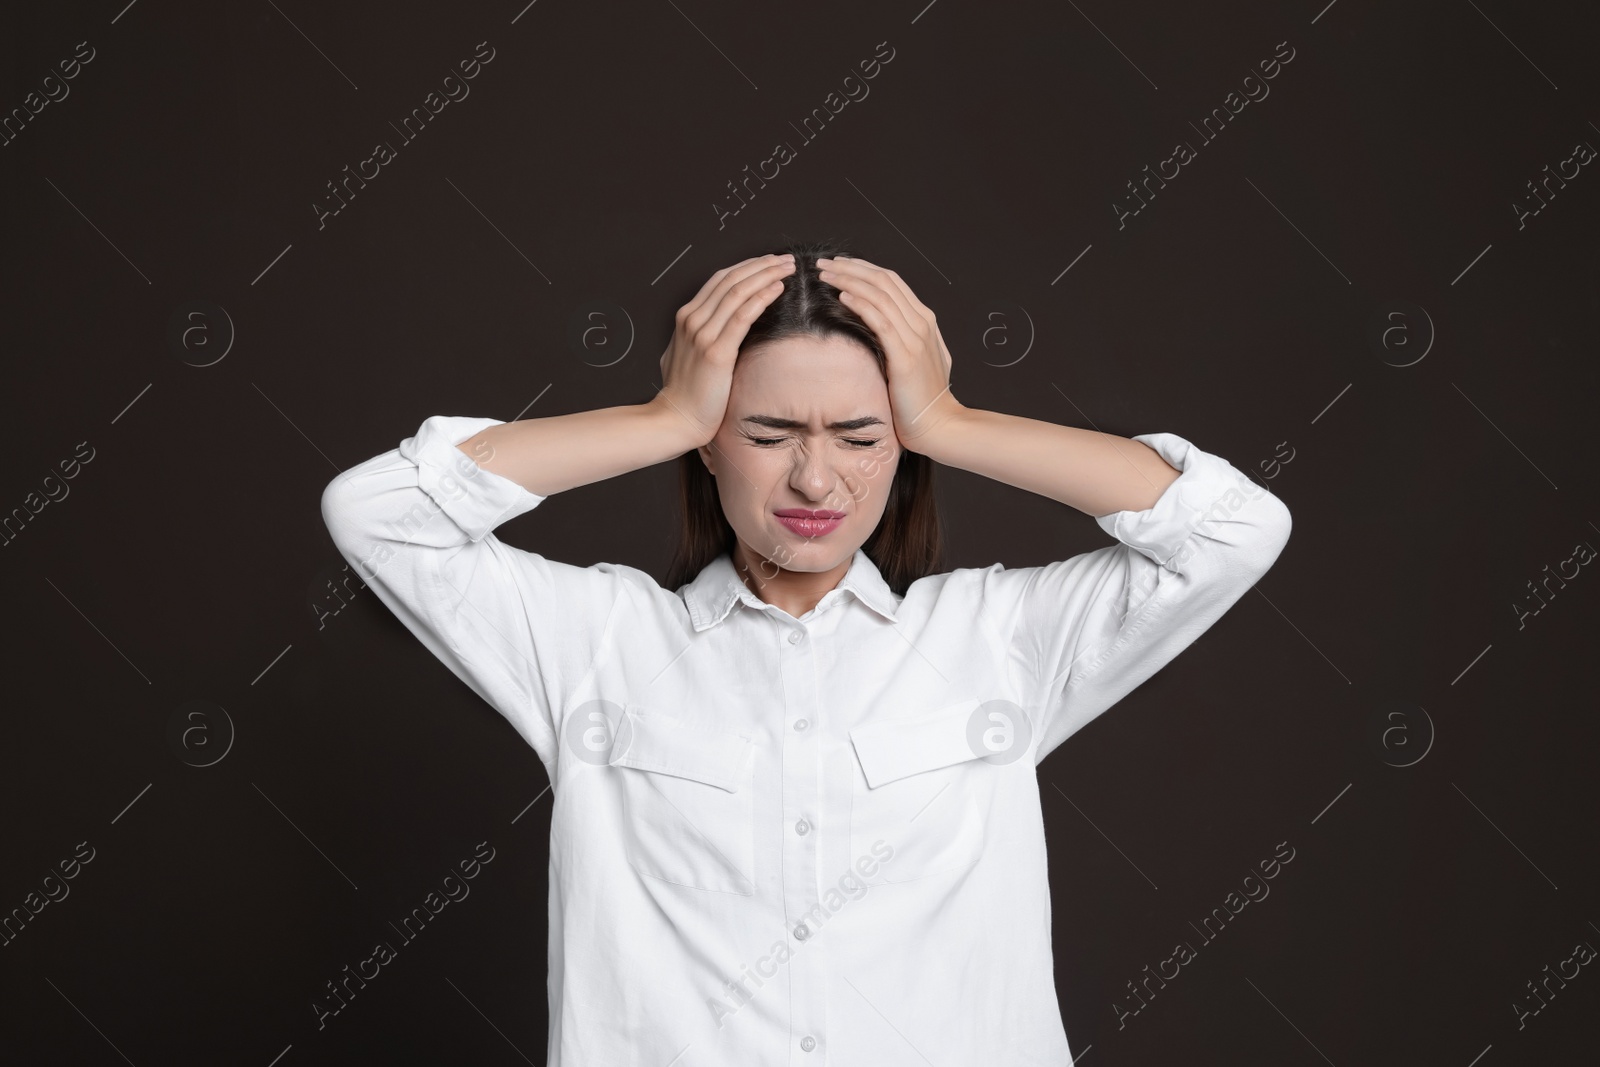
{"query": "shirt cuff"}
[(1207, 487), (475, 499)]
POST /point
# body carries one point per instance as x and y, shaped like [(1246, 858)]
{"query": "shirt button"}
[(794, 637), (802, 827), (802, 932), (808, 1043), (800, 724)]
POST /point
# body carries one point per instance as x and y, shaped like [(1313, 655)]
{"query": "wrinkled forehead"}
[(812, 380)]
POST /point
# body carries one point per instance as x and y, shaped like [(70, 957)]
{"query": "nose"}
[(827, 483)]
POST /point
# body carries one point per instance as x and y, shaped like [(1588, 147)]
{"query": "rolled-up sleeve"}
[(1085, 631), (417, 523)]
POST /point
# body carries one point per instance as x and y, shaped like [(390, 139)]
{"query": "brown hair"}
[(907, 543)]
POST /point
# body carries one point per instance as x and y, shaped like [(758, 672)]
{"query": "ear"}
[(705, 457)]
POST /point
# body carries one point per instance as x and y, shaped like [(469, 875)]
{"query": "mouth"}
[(809, 523)]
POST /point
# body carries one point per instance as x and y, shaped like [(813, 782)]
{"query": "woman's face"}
[(778, 456)]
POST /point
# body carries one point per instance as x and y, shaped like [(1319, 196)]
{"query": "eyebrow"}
[(775, 423)]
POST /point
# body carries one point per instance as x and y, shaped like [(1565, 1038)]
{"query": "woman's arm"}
[(520, 629), (1097, 473), (417, 523), (1085, 631), (1194, 533), (551, 455), (560, 452), (1094, 472)]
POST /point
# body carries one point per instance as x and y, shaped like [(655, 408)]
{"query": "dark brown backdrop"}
[(1338, 293)]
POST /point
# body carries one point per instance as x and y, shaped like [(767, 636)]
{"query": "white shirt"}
[(781, 841)]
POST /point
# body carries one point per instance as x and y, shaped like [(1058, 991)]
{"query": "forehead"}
[(801, 377)]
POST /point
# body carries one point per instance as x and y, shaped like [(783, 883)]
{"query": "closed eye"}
[(856, 442)]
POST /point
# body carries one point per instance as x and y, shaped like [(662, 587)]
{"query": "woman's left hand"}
[(919, 362)]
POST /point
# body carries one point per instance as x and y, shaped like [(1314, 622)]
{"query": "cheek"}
[(870, 478), (758, 478)]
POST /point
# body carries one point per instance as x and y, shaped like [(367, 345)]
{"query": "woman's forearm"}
[(1097, 473), (561, 452)]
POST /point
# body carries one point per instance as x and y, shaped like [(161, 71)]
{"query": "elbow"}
[(339, 512), (1273, 525)]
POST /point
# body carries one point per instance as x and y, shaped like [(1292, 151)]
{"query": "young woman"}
[(796, 819)]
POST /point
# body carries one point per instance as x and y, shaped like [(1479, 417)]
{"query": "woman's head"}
[(808, 428)]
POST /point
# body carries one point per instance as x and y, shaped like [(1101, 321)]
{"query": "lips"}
[(808, 522)]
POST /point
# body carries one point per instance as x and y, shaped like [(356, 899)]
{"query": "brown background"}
[(1242, 308)]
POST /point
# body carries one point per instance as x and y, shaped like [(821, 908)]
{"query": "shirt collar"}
[(717, 588)]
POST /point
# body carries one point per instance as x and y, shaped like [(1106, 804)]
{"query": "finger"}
[(873, 309), (700, 308), (732, 278), (743, 301), (861, 289), (912, 308), (712, 282)]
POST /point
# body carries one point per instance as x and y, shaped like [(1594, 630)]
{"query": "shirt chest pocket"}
[(687, 802), (913, 797)]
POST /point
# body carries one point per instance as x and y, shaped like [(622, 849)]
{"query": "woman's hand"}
[(919, 362), (697, 367)]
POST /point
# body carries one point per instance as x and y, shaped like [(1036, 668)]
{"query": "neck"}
[(796, 592)]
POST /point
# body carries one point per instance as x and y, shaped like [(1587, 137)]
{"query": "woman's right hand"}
[(697, 367)]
